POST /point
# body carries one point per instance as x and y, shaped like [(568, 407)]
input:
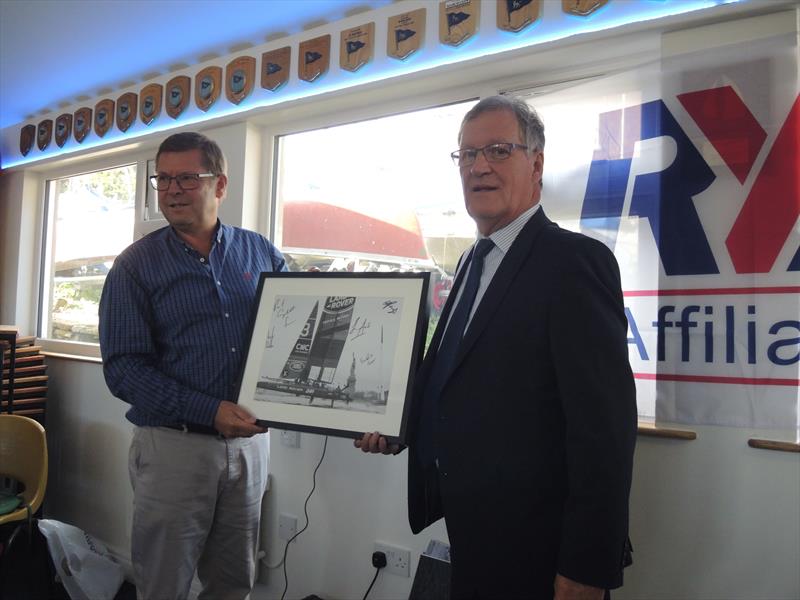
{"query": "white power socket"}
[(397, 559), (290, 439), (287, 526)]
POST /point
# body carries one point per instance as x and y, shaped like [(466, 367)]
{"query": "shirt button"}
[(219, 283), (233, 349), (202, 260), (227, 316)]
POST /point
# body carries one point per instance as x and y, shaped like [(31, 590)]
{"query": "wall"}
[(20, 211), (711, 518)]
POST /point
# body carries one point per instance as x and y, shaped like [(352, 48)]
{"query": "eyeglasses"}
[(492, 153), (185, 181)]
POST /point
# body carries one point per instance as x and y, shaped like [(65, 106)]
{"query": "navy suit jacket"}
[(537, 424)]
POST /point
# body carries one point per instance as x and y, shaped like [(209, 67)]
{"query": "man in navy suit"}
[(523, 422)]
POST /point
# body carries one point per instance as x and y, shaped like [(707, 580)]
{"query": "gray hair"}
[(531, 128)]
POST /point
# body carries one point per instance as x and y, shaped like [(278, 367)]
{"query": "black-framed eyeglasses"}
[(493, 153), (185, 181)]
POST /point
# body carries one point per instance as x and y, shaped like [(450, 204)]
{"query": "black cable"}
[(305, 511), (377, 571)]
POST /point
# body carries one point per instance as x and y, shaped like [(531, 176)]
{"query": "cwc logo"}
[(665, 198)]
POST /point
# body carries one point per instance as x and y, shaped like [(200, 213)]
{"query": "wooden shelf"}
[(652, 430), (778, 445)]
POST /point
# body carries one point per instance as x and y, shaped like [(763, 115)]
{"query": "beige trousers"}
[(197, 506)]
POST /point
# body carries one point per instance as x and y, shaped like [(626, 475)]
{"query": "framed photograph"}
[(335, 353)]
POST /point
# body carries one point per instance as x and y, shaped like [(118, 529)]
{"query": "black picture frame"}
[(335, 353)]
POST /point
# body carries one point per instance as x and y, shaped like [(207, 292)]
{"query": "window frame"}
[(141, 226)]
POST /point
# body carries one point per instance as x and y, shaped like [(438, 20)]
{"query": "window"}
[(90, 220), (379, 195)]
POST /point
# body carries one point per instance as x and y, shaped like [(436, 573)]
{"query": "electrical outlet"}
[(290, 439), (287, 526), (397, 559)]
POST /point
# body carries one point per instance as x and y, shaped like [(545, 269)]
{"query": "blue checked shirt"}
[(174, 325)]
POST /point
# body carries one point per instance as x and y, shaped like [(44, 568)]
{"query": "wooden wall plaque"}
[(151, 102), (315, 56), (406, 34), (356, 47), (582, 8), (177, 95), (207, 87), (458, 20), (63, 129), (103, 116), (516, 15), (240, 77), (126, 111), (275, 68), (83, 123), (44, 133), (26, 137)]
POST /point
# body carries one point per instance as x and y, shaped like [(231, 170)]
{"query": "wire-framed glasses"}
[(493, 153), (185, 181)]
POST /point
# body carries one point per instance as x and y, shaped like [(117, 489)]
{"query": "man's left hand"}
[(233, 421), (567, 589)]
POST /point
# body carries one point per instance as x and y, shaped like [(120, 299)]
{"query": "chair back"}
[(23, 456)]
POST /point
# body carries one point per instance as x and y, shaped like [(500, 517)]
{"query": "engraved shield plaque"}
[(240, 76), (406, 34), (516, 15), (207, 87), (177, 95), (63, 129), (83, 123), (26, 137), (126, 111), (582, 8), (275, 68), (315, 57), (151, 103), (103, 116), (44, 133), (356, 47), (458, 20)]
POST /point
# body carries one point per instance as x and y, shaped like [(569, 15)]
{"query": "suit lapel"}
[(505, 275)]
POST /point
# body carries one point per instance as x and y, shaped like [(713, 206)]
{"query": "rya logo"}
[(666, 198)]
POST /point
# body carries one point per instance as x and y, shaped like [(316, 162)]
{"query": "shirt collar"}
[(503, 238), (221, 232)]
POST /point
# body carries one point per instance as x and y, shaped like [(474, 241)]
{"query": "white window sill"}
[(71, 350)]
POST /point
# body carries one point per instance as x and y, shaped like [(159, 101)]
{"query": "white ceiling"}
[(55, 53)]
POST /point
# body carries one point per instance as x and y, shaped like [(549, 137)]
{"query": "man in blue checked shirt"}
[(174, 324)]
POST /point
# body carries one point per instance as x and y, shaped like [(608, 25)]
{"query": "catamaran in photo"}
[(316, 357)]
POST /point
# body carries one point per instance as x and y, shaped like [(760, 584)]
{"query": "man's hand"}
[(375, 443), (567, 589), (233, 421)]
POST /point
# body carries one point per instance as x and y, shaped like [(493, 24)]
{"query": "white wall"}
[(711, 518), (88, 439), (20, 210)]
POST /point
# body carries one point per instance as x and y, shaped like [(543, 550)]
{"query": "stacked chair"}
[(24, 389)]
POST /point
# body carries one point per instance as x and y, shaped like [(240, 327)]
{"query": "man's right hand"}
[(234, 421), (375, 443)]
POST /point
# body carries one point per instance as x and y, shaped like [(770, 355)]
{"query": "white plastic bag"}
[(86, 569)]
